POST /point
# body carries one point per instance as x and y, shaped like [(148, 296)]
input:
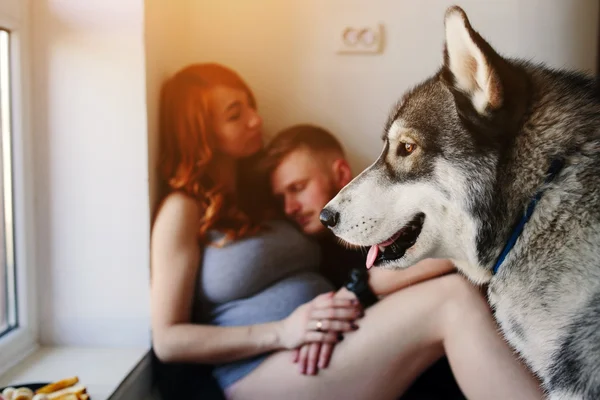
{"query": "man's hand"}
[(314, 356), (344, 293)]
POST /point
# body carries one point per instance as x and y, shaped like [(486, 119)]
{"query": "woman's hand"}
[(319, 321), (314, 356)]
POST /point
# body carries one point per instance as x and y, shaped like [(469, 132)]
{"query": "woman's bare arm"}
[(175, 258)]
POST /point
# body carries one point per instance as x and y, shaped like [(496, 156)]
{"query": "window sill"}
[(15, 346), (112, 373)]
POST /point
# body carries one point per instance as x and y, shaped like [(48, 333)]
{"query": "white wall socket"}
[(358, 39)]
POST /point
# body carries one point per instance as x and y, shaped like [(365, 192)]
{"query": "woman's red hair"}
[(186, 140)]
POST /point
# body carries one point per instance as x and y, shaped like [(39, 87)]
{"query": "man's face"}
[(304, 184)]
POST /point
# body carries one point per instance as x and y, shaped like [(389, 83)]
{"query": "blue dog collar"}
[(554, 169)]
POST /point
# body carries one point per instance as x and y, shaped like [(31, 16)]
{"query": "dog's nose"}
[(329, 218)]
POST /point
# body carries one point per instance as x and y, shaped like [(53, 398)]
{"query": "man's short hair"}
[(312, 137)]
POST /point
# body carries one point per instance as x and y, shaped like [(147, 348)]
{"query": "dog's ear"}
[(469, 63)]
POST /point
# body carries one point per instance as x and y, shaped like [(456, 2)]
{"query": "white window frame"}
[(23, 340)]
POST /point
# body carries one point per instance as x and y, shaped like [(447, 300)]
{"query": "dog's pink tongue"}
[(372, 255)]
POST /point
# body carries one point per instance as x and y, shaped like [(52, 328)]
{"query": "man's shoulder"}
[(338, 260)]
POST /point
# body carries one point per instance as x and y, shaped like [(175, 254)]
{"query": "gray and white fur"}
[(469, 148)]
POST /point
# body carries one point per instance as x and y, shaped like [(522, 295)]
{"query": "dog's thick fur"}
[(484, 131)]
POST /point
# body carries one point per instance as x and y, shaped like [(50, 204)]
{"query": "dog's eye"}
[(405, 149)]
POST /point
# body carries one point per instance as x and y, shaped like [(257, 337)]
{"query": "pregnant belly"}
[(272, 304)]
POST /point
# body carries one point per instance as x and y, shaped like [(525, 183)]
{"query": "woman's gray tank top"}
[(256, 280)]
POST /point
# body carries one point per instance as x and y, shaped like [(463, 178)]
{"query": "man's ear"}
[(342, 173)]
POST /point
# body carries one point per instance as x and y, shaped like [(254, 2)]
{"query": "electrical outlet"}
[(360, 39)]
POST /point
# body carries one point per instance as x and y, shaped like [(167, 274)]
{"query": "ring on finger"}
[(319, 326)]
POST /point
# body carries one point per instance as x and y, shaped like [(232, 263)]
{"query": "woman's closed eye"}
[(234, 117), (234, 111)]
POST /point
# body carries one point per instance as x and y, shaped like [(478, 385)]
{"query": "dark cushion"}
[(185, 381)]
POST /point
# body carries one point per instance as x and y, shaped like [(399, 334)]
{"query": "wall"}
[(168, 40), (285, 50), (91, 171)]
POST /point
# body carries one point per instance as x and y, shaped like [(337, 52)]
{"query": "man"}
[(307, 168)]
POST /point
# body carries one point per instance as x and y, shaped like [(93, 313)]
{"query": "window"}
[(8, 303), (18, 314)]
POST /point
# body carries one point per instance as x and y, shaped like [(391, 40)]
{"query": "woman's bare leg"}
[(481, 360), (398, 339)]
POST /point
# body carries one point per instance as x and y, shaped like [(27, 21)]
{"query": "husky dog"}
[(494, 163)]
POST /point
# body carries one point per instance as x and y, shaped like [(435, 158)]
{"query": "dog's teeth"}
[(381, 248)]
